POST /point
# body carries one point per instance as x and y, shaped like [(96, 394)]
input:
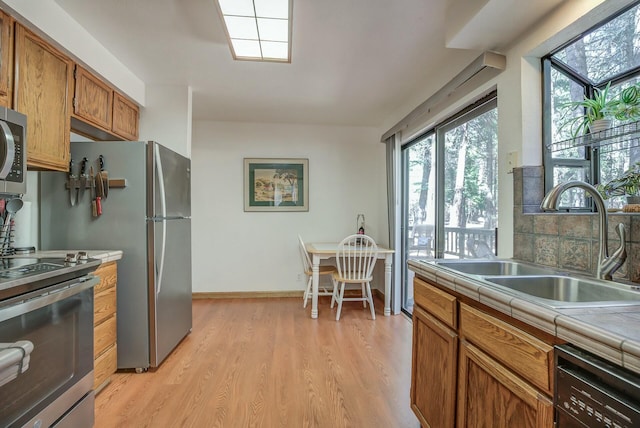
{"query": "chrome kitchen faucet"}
[(607, 265)]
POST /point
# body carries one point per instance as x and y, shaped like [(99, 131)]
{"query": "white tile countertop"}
[(104, 255), (611, 332)]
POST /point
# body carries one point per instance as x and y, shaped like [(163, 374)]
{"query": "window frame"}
[(591, 160), (481, 106)]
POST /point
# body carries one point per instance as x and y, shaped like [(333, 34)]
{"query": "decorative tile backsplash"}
[(562, 240)]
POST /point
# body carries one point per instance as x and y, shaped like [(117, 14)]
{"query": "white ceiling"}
[(354, 62)]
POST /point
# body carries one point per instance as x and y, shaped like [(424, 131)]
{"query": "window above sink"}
[(608, 54)]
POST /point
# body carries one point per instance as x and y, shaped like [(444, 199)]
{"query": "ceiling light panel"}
[(258, 30), (247, 48), (241, 27), (237, 7), (276, 30), (275, 50), (272, 8)]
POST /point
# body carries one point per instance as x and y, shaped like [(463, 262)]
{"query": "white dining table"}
[(326, 250)]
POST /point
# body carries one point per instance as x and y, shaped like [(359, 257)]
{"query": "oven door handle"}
[(68, 289)]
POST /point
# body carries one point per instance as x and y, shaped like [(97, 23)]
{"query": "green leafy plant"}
[(629, 106), (598, 107), (628, 184)]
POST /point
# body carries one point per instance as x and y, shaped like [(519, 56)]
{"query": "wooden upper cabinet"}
[(6, 59), (93, 99), (125, 117), (96, 103), (42, 79)]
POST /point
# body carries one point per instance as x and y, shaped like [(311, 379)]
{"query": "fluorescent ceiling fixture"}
[(274, 50), (258, 30)]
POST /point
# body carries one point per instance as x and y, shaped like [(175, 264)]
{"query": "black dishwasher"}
[(591, 392)]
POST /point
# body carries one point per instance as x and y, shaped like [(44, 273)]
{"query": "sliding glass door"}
[(468, 214), (419, 214), (449, 191)]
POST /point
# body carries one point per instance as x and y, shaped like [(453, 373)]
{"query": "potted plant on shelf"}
[(598, 112), (628, 107), (628, 184)]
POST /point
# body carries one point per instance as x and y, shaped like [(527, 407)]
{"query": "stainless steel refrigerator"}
[(150, 221)]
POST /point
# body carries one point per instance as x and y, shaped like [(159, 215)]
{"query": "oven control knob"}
[(71, 258)]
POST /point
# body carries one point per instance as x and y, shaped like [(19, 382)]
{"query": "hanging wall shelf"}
[(620, 137)]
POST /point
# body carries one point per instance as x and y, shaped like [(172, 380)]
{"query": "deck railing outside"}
[(460, 242)]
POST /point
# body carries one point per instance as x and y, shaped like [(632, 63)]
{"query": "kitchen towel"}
[(22, 227)]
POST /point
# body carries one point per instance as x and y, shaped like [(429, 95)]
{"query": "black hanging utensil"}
[(83, 178), (105, 176), (73, 182)]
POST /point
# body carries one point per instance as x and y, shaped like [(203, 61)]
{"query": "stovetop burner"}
[(22, 270), (19, 275)]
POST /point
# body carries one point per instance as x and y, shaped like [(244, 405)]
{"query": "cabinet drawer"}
[(104, 366), (104, 335), (108, 274), (104, 305), (440, 304), (529, 357)]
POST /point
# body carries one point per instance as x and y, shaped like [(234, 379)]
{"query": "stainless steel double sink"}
[(545, 285)]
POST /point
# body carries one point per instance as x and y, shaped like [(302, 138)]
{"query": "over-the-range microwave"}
[(13, 152)]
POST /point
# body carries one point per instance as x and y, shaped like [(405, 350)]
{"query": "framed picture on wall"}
[(276, 184)]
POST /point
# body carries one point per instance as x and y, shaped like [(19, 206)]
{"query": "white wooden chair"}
[(355, 259), (323, 270)]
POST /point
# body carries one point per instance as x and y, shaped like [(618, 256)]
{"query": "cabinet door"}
[(6, 59), (433, 371), (125, 118), (42, 93), (93, 99), (490, 395)]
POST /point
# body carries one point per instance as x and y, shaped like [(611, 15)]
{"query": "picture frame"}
[(276, 184)]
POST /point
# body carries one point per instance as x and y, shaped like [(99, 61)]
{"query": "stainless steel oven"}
[(46, 345), (591, 392)]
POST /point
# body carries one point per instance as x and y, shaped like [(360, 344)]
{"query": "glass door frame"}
[(466, 116), (437, 132), (405, 274)]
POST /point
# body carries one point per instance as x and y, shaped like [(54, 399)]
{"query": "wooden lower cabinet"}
[(470, 369), (433, 371), (105, 349), (490, 395)]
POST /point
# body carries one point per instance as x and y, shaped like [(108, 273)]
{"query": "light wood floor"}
[(265, 363)]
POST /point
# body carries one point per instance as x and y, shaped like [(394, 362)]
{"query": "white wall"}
[(167, 117), (235, 250)]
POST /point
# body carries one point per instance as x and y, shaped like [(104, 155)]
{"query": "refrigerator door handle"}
[(163, 207)]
